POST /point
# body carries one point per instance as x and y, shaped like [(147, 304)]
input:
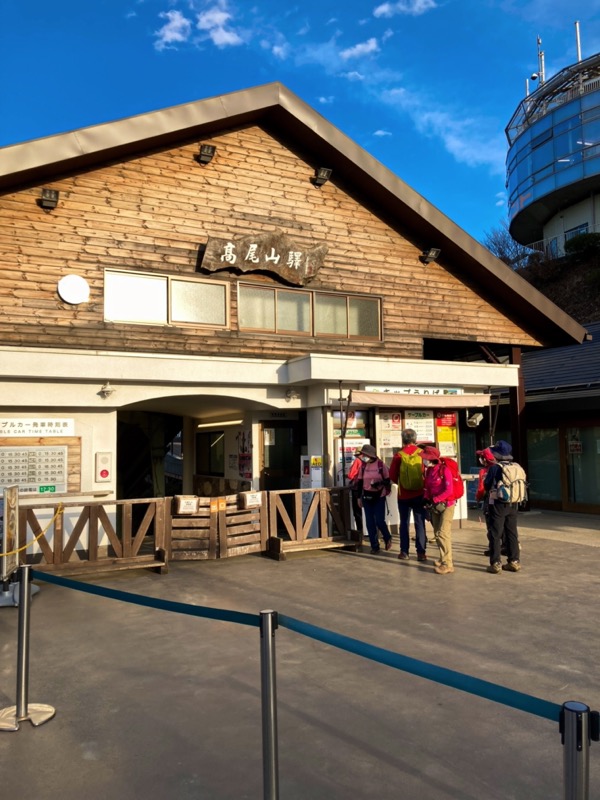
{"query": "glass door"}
[(583, 468)]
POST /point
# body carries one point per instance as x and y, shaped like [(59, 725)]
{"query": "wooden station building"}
[(237, 275)]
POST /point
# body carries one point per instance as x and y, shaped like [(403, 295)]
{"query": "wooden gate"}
[(220, 528)]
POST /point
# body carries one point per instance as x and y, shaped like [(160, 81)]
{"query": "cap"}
[(430, 453), (486, 454)]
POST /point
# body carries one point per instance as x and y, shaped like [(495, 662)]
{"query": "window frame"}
[(312, 293), (169, 280)]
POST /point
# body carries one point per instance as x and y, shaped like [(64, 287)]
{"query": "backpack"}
[(512, 486), (411, 471), (458, 486)]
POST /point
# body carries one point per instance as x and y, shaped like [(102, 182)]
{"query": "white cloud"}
[(471, 141), (353, 76), (177, 29), (388, 33), (500, 199), (362, 49), (326, 100), (214, 20), (382, 133), (413, 8)]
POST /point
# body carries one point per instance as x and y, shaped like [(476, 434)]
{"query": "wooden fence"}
[(117, 534), (125, 534)]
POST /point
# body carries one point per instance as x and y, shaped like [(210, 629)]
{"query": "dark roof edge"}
[(62, 152)]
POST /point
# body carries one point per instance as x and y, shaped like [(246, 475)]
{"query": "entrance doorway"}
[(280, 443)]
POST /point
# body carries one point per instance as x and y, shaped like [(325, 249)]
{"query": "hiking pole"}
[(268, 626)]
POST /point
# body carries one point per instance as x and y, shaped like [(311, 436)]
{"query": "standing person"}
[(354, 474), (375, 485), (502, 516), (406, 470), (439, 496), (486, 459)]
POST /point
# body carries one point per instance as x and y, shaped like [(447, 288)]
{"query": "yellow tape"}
[(59, 510)]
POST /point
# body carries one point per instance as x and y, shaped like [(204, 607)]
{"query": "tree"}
[(503, 246)]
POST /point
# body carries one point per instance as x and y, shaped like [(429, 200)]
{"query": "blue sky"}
[(426, 86)]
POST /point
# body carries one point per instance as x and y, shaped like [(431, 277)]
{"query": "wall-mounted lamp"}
[(427, 256), (292, 394), (106, 390), (49, 199), (206, 154), (322, 175)]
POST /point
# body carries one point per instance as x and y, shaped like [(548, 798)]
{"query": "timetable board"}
[(35, 470)]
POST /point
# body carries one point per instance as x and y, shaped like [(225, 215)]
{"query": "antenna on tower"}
[(541, 68), (578, 40)]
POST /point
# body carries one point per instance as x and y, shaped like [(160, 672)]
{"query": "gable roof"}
[(286, 117)]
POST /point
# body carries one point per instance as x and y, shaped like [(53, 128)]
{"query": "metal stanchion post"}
[(575, 736), (268, 626), (36, 713)]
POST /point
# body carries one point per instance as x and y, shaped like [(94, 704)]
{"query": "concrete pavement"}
[(152, 704)]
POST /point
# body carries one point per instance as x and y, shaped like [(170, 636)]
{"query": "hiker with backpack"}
[(406, 470), (440, 502), (505, 483), (374, 486)]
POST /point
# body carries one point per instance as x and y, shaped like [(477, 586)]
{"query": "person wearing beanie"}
[(374, 486), (502, 517), (406, 470), (439, 497)]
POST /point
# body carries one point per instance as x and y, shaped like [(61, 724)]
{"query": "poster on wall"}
[(350, 449), (422, 422), (355, 424), (447, 434), (245, 454), (390, 429)]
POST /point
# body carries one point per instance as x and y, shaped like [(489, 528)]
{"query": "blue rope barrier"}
[(448, 677), (150, 602)]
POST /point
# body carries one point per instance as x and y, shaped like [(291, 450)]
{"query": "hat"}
[(486, 454), (501, 449), (368, 450), (430, 453)]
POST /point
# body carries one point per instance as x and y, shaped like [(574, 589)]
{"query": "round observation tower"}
[(553, 161)]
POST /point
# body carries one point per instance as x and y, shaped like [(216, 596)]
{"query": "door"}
[(280, 455)]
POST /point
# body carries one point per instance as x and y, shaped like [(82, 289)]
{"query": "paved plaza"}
[(153, 704)]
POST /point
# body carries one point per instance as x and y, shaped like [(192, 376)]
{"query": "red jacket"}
[(438, 484), (403, 494)]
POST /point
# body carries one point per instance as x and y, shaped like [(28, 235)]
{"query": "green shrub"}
[(584, 247)]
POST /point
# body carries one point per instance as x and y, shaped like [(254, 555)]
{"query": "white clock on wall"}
[(74, 289)]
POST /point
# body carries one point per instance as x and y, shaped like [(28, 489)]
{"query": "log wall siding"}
[(151, 213)]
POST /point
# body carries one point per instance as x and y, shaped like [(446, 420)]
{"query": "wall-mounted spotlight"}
[(427, 256), (292, 394), (322, 175), (49, 199), (206, 154)]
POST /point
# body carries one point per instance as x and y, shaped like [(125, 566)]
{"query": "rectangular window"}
[(164, 300), (210, 453), (572, 232), (303, 312)]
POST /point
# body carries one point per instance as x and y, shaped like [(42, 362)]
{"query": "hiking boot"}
[(511, 566), (495, 568), (444, 569), (374, 551), (403, 556), (421, 556), (388, 544)]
